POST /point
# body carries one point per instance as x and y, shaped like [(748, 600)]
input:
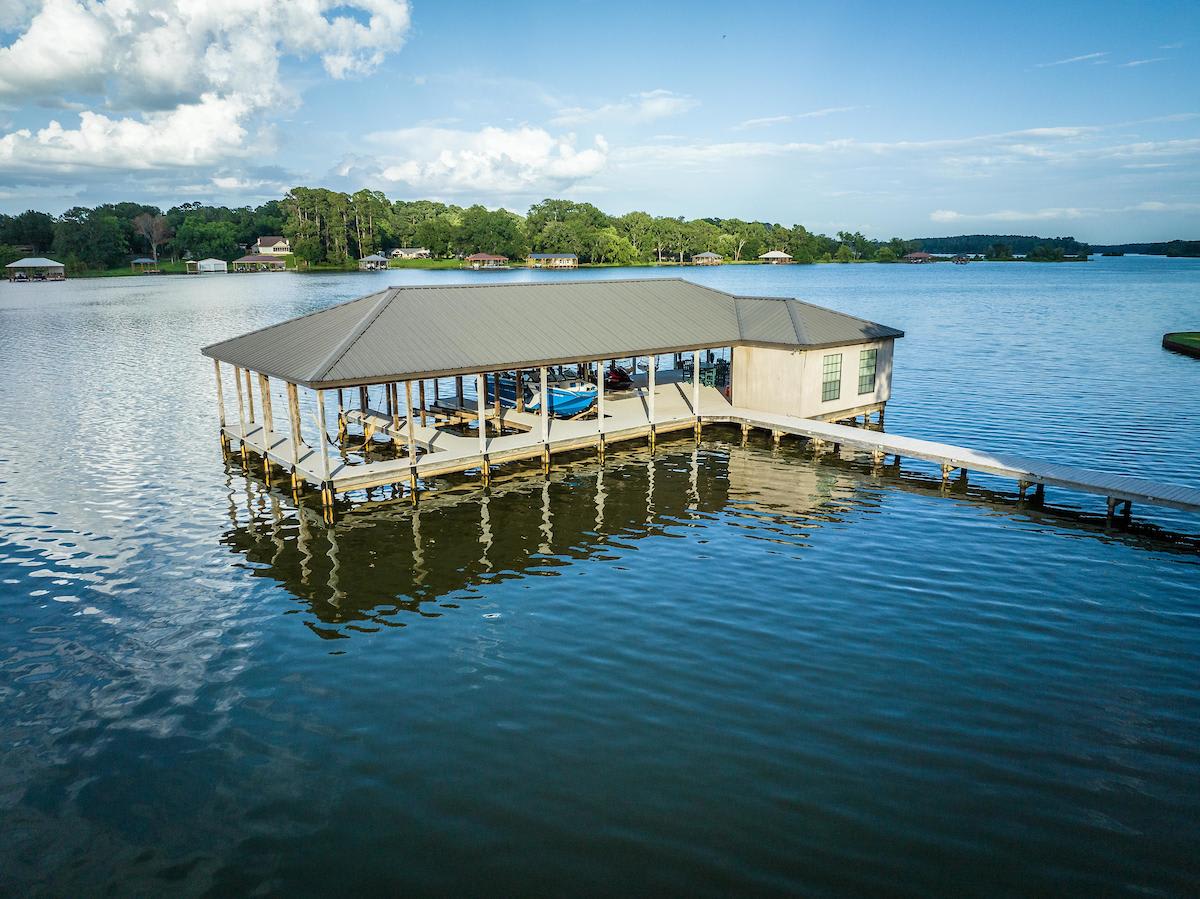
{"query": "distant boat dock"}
[(796, 369)]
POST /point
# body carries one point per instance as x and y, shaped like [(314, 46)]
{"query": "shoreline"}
[(176, 268)]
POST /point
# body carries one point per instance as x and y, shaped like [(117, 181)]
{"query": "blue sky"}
[(914, 121)]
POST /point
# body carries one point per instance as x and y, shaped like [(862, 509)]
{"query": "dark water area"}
[(712, 669)]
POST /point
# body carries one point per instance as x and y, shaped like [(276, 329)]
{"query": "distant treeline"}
[(1168, 248), (330, 228), (1017, 244)]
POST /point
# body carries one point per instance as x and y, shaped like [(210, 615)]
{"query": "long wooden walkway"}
[(1023, 469), (627, 418)]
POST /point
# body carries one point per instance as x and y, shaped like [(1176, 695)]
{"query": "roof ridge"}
[(865, 321), (288, 321), (352, 338), (794, 316), (555, 283)]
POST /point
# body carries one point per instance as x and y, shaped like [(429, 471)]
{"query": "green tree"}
[(843, 254)]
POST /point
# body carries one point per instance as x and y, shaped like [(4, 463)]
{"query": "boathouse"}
[(255, 263), (36, 268), (144, 265), (776, 257), (707, 258), (553, 260), (485, 261), (918, 258), (372, 263), (206, 266), (462, 356)]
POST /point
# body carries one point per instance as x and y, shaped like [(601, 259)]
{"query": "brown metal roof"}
[(402, 333)]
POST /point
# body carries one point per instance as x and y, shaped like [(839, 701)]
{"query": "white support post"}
[(321, 434), (294, 415), (268, 412), (237, 380), (545, 410), (297, 435), (651, 366), (412, 438), (249, 396), (696, 389), (600, 401), (410, 427), (220, 396), (480, 410)]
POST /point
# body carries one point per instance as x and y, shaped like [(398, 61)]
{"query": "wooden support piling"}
[(544, 411), (268, 412), (600, 405), (421, 390), (249, 396), (221, 405), (520, 390), (412, 438), (458, 391), (322, 434), (297, 434), (481, 412), (651, 369), (237, 380)]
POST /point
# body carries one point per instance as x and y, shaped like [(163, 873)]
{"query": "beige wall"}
[(788, 382)]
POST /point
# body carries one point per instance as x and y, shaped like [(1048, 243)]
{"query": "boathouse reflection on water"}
[(380, 562)]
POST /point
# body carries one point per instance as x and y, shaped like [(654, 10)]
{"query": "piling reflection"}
[(378, 565), (382, 563)]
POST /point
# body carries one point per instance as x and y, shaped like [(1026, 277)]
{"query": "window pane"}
[(866, 370), (831, 381)]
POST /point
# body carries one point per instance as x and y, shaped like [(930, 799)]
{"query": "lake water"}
[(713, 669)]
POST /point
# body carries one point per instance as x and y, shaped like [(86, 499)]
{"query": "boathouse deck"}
[(628, 418)]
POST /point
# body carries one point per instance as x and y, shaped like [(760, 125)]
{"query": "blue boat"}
[(564, 401)]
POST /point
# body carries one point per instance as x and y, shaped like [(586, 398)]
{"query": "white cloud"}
[(1073, 59), (1056, 213), (1133, 63), (780, 119), (646, 106), (203, 75), (492, 161)]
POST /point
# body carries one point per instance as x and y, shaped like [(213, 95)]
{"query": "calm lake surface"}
[(704, 671)]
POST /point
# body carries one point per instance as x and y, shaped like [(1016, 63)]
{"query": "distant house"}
[(918, 257), (372, 263), (776, 257), (36, 268), (485, 261), (411, 253), (271, 245), (206, 266), (707, 258), (553, 260), (259, 262)]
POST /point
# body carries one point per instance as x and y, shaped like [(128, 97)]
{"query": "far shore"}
[(172, 267)]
